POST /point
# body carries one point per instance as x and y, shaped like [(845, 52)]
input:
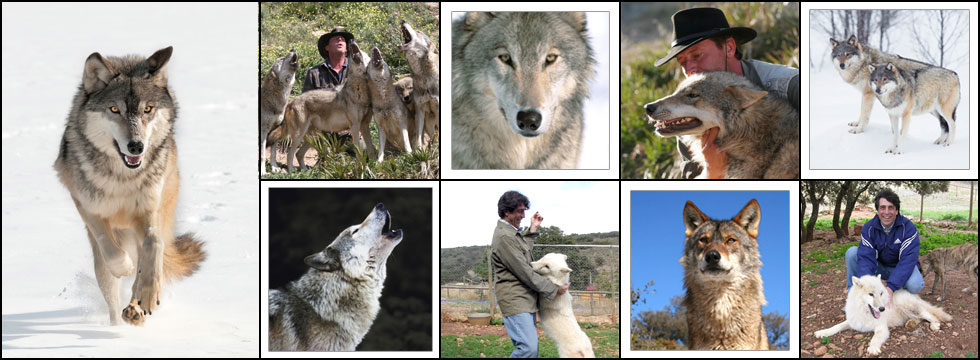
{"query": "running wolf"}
[(346, 107), (724, 288), (866, 311), (759, 131), (423, 58), (851, 59), (390, 112), (276, 86), (911, 92), (957, 257), (517, 103), (118, 159), (333, 305), (557, 317)]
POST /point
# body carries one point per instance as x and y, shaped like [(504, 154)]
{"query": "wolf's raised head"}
[(285, 66), (721, 250), (378, 69), (703, 101), (531, 63), (872, 293), (846, 54), (359, 60), (360, 251), (553, 267), (416, 43), (127, 110)]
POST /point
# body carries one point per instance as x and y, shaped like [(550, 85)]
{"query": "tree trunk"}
[(813, 215), (844, 189), (970, 218)]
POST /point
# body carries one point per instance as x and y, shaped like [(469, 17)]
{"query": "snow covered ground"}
[(833, 103), (52, 306)]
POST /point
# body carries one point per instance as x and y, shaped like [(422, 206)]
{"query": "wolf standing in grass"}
[(118, 159), (275, 89), (724, 287), (519, 83)]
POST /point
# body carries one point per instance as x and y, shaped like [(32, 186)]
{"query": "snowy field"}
[(52, 306), (834, 103)]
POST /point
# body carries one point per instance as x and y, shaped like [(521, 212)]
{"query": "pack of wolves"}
[(355, 102), (517, 103), (904, 87), (118, 160)]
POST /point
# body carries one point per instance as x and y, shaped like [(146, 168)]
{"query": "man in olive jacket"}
[(516, 285)]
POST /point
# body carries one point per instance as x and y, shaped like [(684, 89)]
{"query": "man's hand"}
[(562, 289), (535, 221), (716, 159)]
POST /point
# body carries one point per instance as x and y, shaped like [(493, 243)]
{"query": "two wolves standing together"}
[(402, 110)]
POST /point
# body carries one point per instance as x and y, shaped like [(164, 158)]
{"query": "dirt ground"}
[(822, 301)]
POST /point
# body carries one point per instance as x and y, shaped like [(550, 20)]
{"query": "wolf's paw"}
[(931, 292), (874, 350), (149, 291), (121, 267), (821, 334), (856, 130), (134, 315), (934, 326), (853, 123), (940, 298), (894, 150)]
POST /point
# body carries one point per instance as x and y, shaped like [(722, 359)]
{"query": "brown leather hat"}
[(693, 25)]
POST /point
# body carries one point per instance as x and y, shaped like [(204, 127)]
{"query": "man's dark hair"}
[(509, 202), (891, 196), (720, 42)]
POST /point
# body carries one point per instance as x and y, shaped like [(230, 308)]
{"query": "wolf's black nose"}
[(842, 66), (712, 256), (528, 119), (650, 108), (380, 206), (880, 309), (135, 147)]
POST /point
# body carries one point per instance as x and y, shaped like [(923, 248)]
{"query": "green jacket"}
[(516, 285)]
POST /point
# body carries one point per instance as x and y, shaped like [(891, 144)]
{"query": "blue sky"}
[(657, 241)]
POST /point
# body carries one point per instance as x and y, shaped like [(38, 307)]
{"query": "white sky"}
[(469, 208)]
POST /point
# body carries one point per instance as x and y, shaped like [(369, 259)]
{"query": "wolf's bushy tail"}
[(939, 313), (183, 257)]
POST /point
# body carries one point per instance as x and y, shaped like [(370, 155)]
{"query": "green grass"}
[(954, 215), (937, 354), (970, 355), (931, 238), (339, 158), (605, 339), (825, 340), (813, 283)]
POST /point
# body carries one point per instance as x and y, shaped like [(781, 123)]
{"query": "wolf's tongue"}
[(133, 159)]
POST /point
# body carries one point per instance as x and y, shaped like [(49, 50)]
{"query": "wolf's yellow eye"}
[(505, 58), (731, 240), (114, 109), (551, 58), (147, 109)]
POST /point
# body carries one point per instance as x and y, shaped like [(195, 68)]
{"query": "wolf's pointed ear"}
[(871, 67), (564, 257), (745, 97), (854, 280), (98, 72), (852, 40), (475, 20), (891, 68), (575, 19), (158, 65), (326, 260), (692, 218), (834, 43), (566, 270), (749, 218), (879, 276)]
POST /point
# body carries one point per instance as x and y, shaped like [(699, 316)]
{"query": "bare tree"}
[(937, 35)]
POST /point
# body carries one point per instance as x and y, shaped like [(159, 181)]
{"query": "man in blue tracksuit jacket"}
[(889, 246)]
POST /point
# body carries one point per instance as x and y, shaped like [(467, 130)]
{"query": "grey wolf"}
[(851, 59), (332, 306), (866, 311), (942, 259), (724, 287), (118, 159), (346, 107), (518, 104), (390, 113), (423, 58), (759, 131), (557, 317), (911, 92), (274, 93)]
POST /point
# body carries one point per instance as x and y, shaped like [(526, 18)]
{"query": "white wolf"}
[(557, 317), (866, 311)]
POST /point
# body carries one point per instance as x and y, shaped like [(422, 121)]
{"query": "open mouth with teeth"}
[(355, 53), (406, 35), (376, 57), (393, 235), (294, 59), (131, 162), (874, 312), (676, 125)]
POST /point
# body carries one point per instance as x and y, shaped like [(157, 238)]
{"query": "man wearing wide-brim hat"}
[(721, 53), (333, 48)]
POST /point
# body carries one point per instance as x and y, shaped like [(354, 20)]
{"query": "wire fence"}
[(594, 284)]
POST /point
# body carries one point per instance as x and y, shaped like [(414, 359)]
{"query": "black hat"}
[(325, 38), (693, 25)]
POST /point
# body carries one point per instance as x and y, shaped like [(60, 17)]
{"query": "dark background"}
[(303, 221)]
